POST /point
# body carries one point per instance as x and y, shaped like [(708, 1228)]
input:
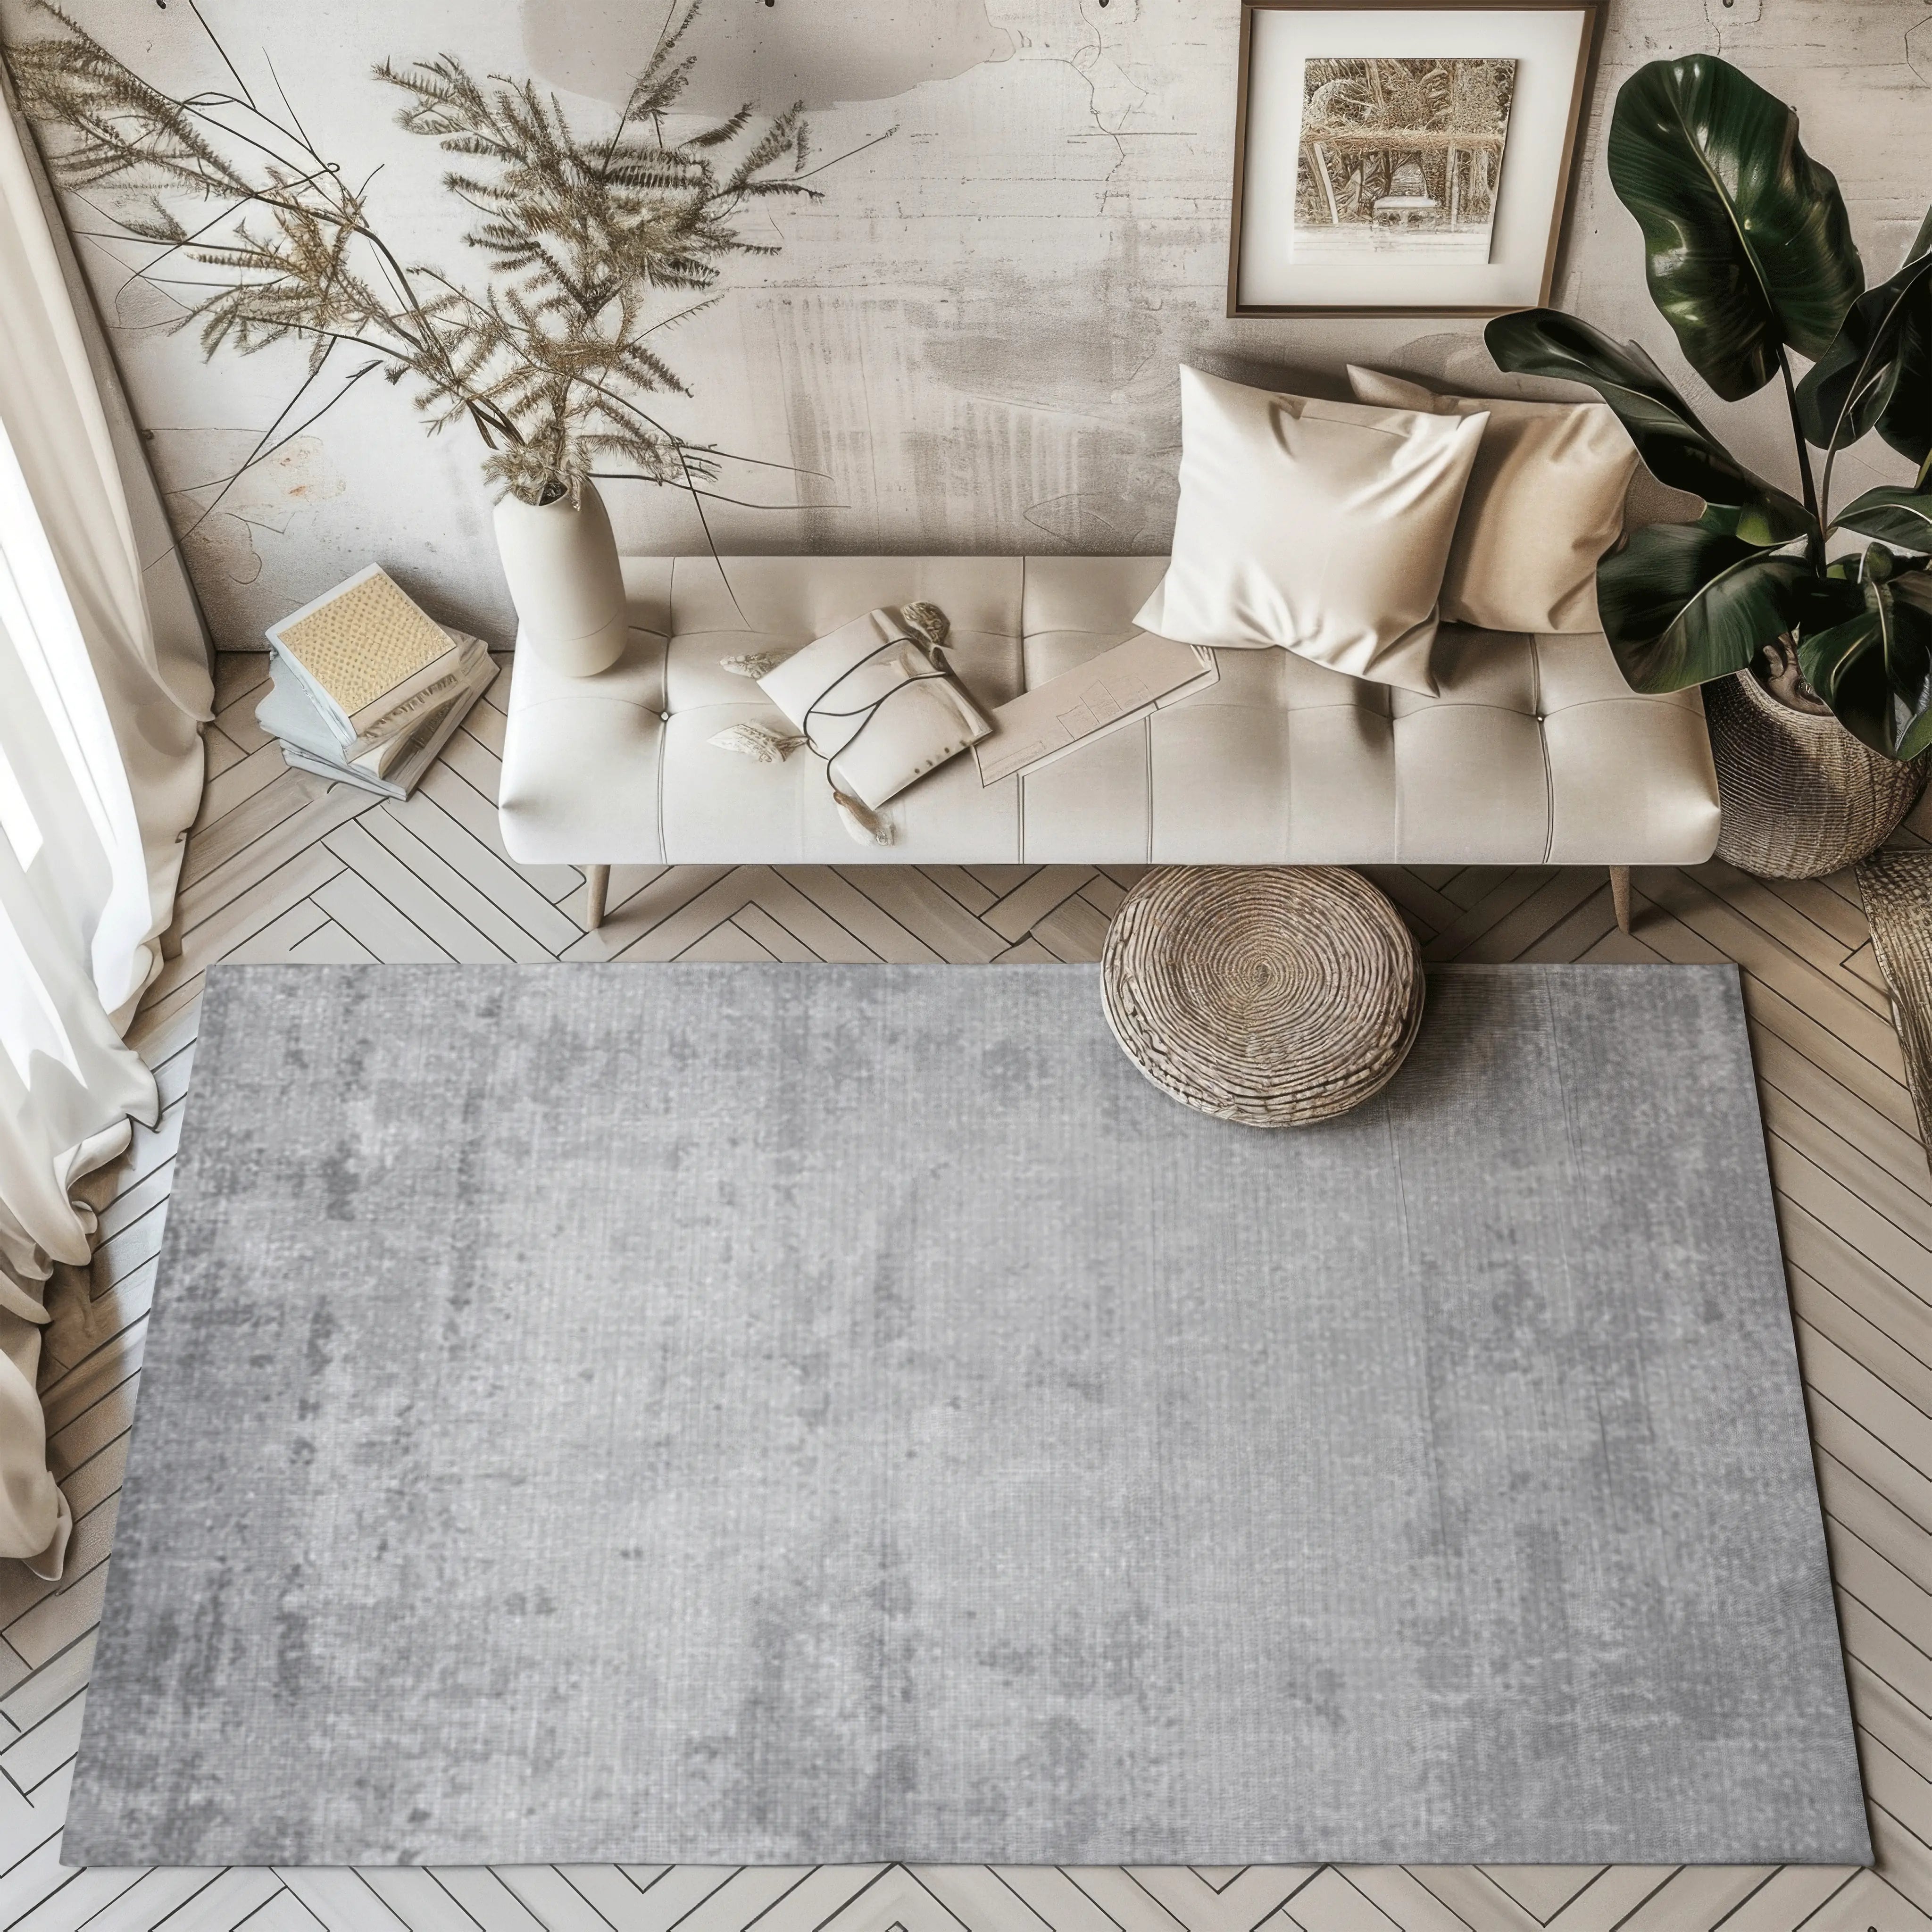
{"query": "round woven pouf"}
[(1272, 995)]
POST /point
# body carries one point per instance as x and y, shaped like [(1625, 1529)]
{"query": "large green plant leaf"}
[(1877, 373), (1906, 420), (1684, 603), (1676, 448), (1874, 669), (1748, 243), (1894, 516)]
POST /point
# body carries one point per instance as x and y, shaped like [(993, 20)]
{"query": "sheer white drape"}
[(101, 772)]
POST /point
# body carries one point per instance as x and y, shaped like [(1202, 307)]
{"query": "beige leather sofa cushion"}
[(1545, 501), (1323, 527), (1534, 751)]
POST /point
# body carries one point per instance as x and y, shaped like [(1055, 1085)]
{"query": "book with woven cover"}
[(370, 655), (310, 742)]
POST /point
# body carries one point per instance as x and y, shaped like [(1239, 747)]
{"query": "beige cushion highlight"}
[(1323, 527), (1545, 501)]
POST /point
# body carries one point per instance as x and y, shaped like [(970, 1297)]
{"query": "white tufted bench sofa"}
[(1535, 752)]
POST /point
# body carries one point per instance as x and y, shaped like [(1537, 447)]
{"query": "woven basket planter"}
[(1801, 796), (1273, 996)]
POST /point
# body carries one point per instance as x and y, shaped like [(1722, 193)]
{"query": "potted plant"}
[(1812, 627), (594, 244)]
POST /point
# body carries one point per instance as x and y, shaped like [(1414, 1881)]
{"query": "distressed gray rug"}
[(799, 1413)]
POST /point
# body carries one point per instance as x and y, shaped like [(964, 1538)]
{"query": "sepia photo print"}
[(1401, 159)]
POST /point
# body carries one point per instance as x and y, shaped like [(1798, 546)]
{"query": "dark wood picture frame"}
[(1582, 86)]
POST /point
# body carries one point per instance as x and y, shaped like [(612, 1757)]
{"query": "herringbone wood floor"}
[(280, 868)]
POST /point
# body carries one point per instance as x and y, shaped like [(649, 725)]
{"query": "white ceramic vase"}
[(561, 560)]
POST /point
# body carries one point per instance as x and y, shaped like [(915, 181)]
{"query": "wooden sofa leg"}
[(1620, 895), (596, 885)]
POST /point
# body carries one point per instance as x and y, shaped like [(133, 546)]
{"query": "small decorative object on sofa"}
[(1545, 501), (1323, 527), (1750, 256), (1120, 687), (871, 701)]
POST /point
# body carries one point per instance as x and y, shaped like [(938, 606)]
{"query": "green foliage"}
[(594, 243), (1749, 256), (1676, 448), (1874, 667), (1691, 603), (1875, 375), (1894, 516), (1747, 245)]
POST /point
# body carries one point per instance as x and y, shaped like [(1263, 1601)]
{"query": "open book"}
[(1144, 675)]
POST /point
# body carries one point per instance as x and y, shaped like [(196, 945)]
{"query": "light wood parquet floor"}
[(279, 867)]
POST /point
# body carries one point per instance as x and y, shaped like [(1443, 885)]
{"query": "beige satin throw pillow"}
[(1546, 500), (1323, 527)]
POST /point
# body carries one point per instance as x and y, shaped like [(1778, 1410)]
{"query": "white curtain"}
[(103, 678)]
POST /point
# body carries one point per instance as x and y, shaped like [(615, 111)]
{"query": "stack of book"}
[(367, 686)]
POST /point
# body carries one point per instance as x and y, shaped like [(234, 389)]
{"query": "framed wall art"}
[(1396, 155)]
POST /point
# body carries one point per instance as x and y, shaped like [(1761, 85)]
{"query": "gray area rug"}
[(1897, 889), (788, 1414)]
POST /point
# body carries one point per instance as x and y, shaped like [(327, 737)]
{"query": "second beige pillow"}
[(1545, 501)]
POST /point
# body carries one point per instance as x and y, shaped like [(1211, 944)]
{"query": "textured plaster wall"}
[(971, 343)]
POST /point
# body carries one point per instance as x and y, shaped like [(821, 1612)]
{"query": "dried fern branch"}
[(592, 244)]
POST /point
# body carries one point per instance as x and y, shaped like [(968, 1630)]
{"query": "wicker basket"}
[(1273, 996), (1801, 796)]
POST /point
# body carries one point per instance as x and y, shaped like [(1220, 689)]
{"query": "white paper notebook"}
[(1120, 686)]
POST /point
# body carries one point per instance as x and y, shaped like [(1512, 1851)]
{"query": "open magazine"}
[(1120, 686)]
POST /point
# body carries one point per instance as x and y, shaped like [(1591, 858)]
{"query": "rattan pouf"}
[(1274, 996)]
